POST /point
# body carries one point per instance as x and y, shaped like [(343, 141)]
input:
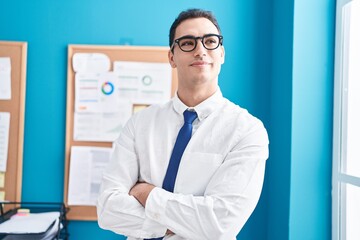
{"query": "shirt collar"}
[(203, 109)]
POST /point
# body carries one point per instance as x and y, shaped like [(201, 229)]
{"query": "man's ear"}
[(222, 54), (171, 59)]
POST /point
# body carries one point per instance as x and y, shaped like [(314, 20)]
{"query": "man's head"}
[(196, 51), (189, 14)]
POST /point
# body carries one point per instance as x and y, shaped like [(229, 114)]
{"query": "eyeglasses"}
[(189, 43)]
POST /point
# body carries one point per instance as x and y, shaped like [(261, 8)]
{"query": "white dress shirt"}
[(219, 180)]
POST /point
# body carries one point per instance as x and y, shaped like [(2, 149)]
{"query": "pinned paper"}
[(87, 165), (96, 92), (144, 82), (4, 139), (2, 179), (91, 62), (139, 107), (101, 127), (2, 196), (5, 78)]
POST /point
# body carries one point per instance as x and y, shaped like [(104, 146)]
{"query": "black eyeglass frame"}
[(196, 38)]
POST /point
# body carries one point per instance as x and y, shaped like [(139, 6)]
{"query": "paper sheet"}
[(101, 127), (2, 179), (104, 101), (96, 92), (2, 195), (5, 78), (138, 107), (32, 223), (143, 82), (87, 165), (91, 62), (4, 139)]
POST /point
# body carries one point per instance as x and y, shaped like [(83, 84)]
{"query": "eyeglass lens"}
[(209, 42)]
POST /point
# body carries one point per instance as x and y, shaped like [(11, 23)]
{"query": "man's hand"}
[(141, 191)]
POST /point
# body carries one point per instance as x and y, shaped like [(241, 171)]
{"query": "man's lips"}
[(199, 63)]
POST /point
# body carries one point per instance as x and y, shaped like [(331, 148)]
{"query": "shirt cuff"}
[(156, 204), (153, 227)]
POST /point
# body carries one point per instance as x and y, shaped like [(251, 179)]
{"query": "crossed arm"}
[(142, 210), (141, 191)]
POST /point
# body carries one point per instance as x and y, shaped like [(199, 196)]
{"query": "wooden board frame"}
[(115, 53), (17, 52)]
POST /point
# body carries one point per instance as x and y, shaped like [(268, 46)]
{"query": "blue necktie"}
[(182, 140), (179, 147)]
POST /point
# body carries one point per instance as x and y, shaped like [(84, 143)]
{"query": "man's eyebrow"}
[(192, 36), (185, 36)]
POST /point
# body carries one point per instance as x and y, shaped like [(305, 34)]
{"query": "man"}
[(218, 177)]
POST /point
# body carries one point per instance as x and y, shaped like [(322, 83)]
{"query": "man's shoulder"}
[(239, 114), (234, 110)]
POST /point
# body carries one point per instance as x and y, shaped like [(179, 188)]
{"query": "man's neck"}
[(192, 97)]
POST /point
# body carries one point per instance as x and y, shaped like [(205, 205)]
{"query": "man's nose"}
[(200, 49)]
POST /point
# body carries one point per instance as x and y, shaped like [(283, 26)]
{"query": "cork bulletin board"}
[(14, 106), (115, 53)]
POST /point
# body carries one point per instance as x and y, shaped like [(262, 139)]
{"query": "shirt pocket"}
[(195, 172)]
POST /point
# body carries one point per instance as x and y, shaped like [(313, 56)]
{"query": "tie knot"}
[(189, 116)]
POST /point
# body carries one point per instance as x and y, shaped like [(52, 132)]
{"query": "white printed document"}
[(99, 113), (101, 127), (4, 139), (87, 165), (91, 62), (5, 78), (96, 92), (143, 82)]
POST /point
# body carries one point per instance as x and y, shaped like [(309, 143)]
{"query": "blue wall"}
[(280, 131), (49, 26), (299, 169), (269, 45), (311, 152)]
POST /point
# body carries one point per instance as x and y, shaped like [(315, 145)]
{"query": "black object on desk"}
[(33, 221)]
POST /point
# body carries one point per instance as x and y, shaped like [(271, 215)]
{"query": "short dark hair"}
[(189, 14)]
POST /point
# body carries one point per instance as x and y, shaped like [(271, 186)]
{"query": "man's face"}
[(200, 66)]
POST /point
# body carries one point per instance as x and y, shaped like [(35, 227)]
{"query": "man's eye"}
[(187, 43), (210, 41)]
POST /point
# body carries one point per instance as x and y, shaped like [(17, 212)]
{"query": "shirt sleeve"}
[(229, 199), (116, 209)]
